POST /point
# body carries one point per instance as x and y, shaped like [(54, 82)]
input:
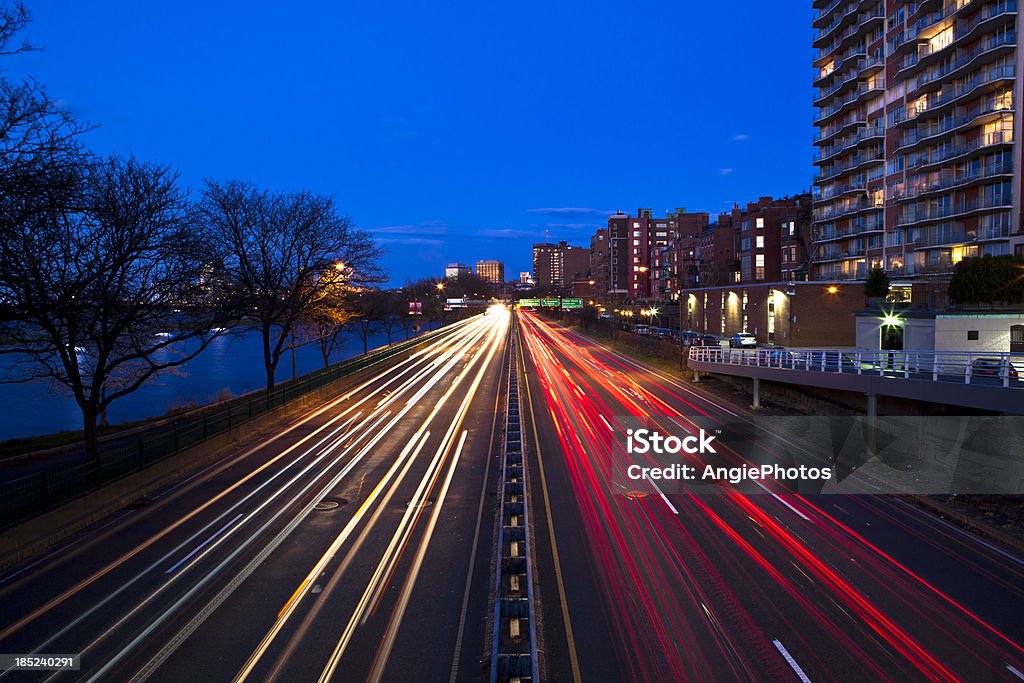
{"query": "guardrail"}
[(126, 454), (959, 367), (514, 641)]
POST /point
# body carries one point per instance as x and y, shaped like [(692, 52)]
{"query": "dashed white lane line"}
[(792, 662), (783, 501)]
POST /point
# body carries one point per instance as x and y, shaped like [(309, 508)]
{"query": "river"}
[(230, 366)]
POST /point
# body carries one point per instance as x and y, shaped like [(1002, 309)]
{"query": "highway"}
[(772, 587), (356, 544), (353, 544)]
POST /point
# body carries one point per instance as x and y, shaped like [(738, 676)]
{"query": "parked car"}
[(705, 340), (993, 367), (742, 340)]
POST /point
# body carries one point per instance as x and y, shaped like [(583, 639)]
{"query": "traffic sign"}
[(572, 303), (550, 302), (529, 302)]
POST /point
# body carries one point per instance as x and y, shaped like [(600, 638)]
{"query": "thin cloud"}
[(740, 137), (505, 233), (724, 171), (408, 240), (570, 211), (423, 228)]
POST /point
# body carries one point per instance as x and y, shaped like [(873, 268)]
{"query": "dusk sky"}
[(453, 131)]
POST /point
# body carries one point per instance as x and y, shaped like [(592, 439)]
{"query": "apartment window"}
[(940, 40), (791, 227), (759, 222), (760, 241), (746, 226), (899, 294), (745, 244), (759, 267)]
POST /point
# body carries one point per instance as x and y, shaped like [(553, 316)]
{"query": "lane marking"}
[(551, 528), (479, 519), (783, 501), (664, 498), (792, 662), (204, 543)]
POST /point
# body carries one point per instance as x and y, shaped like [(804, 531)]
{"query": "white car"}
[(742, 340)]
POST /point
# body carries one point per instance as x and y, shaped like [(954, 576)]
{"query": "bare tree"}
[(329, 316), (278, 248), (106, 282)]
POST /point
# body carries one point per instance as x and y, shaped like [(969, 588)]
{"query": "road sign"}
[(572, 303), (529, 302), (415, 308), (550, 302)]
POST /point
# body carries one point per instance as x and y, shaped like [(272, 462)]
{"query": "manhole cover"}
[(420, 504), (325, 505)]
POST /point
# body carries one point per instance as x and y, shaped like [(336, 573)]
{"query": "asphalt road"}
[(238, 574), (648, 587)]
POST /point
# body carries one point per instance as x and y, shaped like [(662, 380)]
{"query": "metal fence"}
[(120, 456), (961, 367)]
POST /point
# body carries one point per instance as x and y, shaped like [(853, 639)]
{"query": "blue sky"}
[(453, 131)]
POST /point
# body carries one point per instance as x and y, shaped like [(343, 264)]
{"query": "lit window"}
[(759, 223), (760, 241)]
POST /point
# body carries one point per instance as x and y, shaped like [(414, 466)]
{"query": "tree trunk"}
[(271, 371), (90, 438)]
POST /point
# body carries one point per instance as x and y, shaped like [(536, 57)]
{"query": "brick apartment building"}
[(654, 259), (556, 265), (919, 155), (636, 263)]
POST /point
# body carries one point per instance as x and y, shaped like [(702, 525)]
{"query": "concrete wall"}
[(993, 332)]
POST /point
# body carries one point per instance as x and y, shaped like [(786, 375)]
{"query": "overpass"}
[(986, 381)]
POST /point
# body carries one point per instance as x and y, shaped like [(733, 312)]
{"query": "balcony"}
[(1005, 8), (914, 59), (918, 214), (950, 94), (830, 212), (865, 133), (924, 134), (853, 163), (958, 180)]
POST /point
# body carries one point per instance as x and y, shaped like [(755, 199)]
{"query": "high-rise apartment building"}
[(919, 155), (491, 271), (555, 265)]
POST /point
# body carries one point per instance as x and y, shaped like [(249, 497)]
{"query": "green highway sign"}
[(572, 303), (550, 302), (529, 302)]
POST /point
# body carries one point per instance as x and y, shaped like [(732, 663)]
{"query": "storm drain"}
[(514, 652), (330, 504)]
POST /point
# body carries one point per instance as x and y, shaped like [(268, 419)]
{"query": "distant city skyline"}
[(487, 131)]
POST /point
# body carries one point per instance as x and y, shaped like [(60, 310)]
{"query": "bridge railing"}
[(962, 367)]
